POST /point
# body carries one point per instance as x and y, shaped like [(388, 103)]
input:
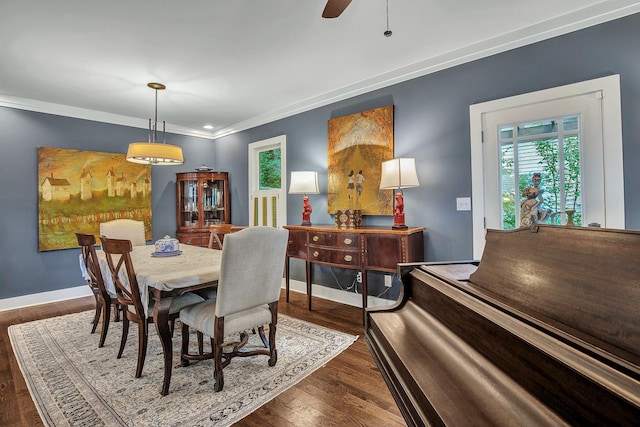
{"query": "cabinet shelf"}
[(202, 198)]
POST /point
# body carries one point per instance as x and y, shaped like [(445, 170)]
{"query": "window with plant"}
[(551, 148)]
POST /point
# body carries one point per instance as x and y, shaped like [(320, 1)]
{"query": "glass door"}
[(213, 199), (188, 203)]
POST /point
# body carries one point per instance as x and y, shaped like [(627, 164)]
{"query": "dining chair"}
[(217, 235), (248, 292), (104, 299), (128, 294), (127, 229)]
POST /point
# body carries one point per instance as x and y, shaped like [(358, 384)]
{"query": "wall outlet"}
[(359, 277), (387, 280)]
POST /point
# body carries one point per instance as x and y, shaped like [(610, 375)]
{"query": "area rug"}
[(75, 383)]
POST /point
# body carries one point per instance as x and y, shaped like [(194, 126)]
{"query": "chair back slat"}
[(123, 272), (90, 260)]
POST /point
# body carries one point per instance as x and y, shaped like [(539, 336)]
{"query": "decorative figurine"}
[(398, 215), (306, 211), (531, 213)]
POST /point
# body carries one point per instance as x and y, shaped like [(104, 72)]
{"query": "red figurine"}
[(306, 211), (398, 216)]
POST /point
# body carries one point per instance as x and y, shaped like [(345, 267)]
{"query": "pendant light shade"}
[(152, 152)]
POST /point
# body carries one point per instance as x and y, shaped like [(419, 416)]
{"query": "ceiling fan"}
[(334, 8)]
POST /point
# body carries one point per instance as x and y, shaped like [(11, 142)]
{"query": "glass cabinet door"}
[(213, 202), (189, 203)]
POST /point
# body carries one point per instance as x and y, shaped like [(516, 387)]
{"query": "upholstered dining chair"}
[(217, 233), (248, 293), (93, 275), (118, 254), (127, 229)]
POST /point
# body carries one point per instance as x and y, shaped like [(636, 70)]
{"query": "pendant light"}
[(152, 152)]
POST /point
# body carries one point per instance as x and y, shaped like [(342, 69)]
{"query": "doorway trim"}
[(611, 137)]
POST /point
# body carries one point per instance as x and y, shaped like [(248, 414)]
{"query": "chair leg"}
[(106, 315), (200, 336), (272, 344), (117, 308), (263, 337), (185, 345), (96, 317), (218, 343), (125, 332), (142, 347)]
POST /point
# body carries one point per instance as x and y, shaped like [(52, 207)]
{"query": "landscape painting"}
[(77, 190), (358, 144)]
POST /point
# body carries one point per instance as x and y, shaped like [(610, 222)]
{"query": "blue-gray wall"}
[(431, 124)]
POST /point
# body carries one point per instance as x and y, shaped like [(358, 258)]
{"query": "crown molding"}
[(593, 15), (86, 114)]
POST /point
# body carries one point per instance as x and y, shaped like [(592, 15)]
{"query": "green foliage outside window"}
[(547, 151), (269, 169)]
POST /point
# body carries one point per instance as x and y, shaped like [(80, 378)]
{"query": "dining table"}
[(163, 277)]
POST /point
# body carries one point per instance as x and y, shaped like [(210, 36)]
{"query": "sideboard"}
[(364, 249)]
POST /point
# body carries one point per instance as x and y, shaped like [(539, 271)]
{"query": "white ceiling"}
[(236, 64)]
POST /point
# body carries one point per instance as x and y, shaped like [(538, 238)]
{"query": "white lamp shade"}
[(151, 153), (399, 173), (304, 182)]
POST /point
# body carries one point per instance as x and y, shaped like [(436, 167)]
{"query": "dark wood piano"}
[(543, 331)]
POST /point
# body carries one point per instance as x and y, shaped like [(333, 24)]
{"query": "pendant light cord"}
[(388, 32)]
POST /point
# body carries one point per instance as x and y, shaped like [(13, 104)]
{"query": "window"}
[(270, 169), (571, 135), (267, 182), (547, 151)]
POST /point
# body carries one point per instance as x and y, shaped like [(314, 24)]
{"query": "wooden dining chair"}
[(128, 294), (104, 299), (248, 294), (127, 229), (217, 235)]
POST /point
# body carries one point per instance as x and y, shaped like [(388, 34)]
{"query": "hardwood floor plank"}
[(349, 390)]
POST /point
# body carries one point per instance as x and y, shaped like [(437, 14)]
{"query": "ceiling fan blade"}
[(334, 8)]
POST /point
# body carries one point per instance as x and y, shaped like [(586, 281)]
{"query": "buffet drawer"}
[(338, 257), (335, 240)]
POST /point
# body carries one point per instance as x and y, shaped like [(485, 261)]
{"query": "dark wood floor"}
[(349, 390)]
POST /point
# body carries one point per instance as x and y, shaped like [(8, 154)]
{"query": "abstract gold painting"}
[(77, 190), (357, 145)]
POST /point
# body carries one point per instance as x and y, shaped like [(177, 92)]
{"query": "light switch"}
[(463, 203)]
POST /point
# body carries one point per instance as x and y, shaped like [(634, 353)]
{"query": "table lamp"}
[(398, 173), (304, 182)]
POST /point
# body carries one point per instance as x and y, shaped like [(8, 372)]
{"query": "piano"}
[(543, 331)]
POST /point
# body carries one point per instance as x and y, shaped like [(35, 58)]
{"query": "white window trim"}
[(611, 135), (264, 145)]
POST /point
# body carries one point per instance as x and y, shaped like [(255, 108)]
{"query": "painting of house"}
[(85, 185), (80, 189), (111, 183), (121, 185), (56, 189)]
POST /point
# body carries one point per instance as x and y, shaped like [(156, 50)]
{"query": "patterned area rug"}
[(73, 382)]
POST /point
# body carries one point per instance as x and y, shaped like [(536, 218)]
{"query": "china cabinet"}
[(202, 199)]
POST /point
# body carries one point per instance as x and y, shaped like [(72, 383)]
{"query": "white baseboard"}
[(337, 295), (44, 297)]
